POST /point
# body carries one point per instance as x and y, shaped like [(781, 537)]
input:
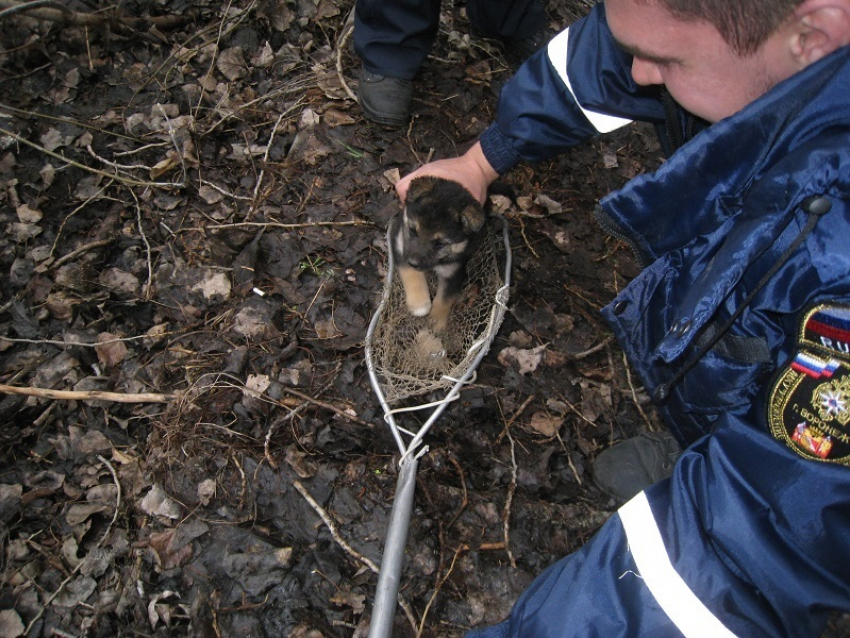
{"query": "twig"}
[(569, 459), (146, 290), (354, 222), (80, 344), (59, 156), (292, 414), (599, 346), (525, 239), (44, 10), (365, 560), (348, 548), (64, 259), (576, 411), (328, 406), (465, 502), (224, 192), (265, 161), (506, 511), (347, 29), (71, 214), (86, 395), (437, 591), (643, 415), (35, 4), (69, 120), (117, 495)]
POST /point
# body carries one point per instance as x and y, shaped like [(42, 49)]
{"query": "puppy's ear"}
[(472, 217), (419, 187)]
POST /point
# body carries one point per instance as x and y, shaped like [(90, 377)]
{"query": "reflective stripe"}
[(677, 600), (557, 51)]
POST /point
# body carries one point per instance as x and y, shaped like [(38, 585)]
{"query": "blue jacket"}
[(739, 326)]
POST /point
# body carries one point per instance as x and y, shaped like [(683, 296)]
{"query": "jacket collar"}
[(722, 162), (712, 188)]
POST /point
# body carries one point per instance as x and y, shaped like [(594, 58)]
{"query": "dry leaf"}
[(231, 63), (110, 351), (157, 503), (524, 361), (11, 625), (546, 424)]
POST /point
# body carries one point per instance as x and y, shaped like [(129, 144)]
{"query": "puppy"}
[(436, 232)]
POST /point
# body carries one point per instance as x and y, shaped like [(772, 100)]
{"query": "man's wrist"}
[(496, 150)]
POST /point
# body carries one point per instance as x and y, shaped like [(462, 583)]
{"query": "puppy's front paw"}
[(416, 291), (419, 307)]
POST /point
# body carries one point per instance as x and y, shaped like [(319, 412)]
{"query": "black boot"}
[(385, 100), (631, 466)]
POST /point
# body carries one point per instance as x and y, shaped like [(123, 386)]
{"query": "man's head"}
[(717, 56)]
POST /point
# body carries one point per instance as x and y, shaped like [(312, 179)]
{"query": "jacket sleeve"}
[(747, 538), (578, 87)]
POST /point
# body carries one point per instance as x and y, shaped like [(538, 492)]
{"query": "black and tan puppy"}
[(436, 232)]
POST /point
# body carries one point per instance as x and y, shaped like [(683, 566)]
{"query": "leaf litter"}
[(193, 216)]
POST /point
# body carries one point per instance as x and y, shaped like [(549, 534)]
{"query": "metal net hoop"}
[(408, 358)]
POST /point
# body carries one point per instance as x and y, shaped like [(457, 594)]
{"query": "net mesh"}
[(409, 358)]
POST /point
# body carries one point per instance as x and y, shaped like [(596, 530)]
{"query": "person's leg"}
[(507, 19), (393, 37)]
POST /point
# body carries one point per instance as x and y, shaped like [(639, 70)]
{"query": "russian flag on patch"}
[(814, 366), (830, 327)]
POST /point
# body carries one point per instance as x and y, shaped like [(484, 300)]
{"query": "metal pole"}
[(386, 596)]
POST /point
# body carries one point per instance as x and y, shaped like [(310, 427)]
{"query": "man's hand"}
[(471, 170)]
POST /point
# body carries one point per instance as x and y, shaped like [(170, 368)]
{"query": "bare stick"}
[(506, 512), (120, 178), (265, 162), (437, 591), (347, 29), (86, 395), (64, 259), (643, 415), (146, 293), (365, 560), (348, 548), (354, 222), (56, 12)]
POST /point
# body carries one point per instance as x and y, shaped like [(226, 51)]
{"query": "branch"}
[(57, 12), (86, 395)]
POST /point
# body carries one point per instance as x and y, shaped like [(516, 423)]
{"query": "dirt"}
[(194, 218)]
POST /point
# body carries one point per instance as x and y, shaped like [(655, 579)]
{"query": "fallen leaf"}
[(28, 215), (231, 63), (157, 503), (110, 351), (524, 361), (546, 424), (11, 625)]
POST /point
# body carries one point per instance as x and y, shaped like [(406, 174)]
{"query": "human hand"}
[(471, 170)]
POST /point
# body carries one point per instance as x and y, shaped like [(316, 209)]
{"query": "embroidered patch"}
[(809, 405)]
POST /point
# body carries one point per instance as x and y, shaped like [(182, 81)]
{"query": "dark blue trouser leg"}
[(393, 37), (507, 19)]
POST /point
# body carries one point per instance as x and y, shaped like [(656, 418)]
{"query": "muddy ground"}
[(193, 215)]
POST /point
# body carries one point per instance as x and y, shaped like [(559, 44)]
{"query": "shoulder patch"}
[(809, 404)]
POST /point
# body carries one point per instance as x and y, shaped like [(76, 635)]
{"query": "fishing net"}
[(409, 358)]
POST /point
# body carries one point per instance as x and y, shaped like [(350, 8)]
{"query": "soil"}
[(193, 214)]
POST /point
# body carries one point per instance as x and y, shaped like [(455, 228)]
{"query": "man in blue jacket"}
[(739, 324)]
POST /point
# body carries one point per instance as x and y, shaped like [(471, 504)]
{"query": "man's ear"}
[(822, 26)]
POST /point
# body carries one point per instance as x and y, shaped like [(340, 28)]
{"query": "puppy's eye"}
[(412, 231), (439, 244)]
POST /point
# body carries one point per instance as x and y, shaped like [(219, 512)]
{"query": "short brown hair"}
[(744, 24)]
